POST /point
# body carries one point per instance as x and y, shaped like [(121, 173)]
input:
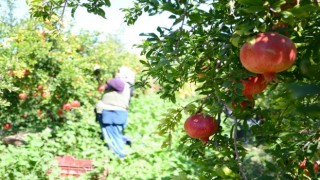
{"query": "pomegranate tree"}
[(201, 126), (268, 54)]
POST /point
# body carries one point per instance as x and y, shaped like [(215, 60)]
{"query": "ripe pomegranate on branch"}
[(254, 85), (251, 86), (268, 54), (201, 126)]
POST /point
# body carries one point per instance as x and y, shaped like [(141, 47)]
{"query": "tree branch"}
[(232, 7), (235, 128), (64, 9)]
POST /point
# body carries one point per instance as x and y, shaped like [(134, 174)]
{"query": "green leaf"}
[(144, 62), (276, 5), (107, 2), (311, 110), (151, 36), (303, 11), (251, 2), (300, 90), (244, 28), (253, 9), (100, 12), (235, 39), (195, 17), (190, 108), (227, 171)]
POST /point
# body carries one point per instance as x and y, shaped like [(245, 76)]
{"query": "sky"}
[(114, 24)]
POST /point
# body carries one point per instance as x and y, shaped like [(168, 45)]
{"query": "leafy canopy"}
[(202, 47)]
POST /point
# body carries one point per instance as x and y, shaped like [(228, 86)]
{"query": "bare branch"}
[(64, 9), (236, 149)]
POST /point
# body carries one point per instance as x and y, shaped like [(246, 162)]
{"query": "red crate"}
[(75, 167)]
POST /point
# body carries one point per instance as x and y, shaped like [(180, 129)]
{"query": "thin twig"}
[(231, 5), (236, 149), (183, 17), (63, 10)]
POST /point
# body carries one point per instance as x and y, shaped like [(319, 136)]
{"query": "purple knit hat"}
[(117, 84)]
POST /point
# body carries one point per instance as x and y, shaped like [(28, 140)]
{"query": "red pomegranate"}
[(201, 126), (303, 164), (23, 96), (248, 103), (280, 25), (26, 72), (75, 103), (268, 54), (315, 167), (254, 85), (7, 126), (67, 107), (101, 88), (45, 94), (282, 28), (60, 112), (10, 72), (40, 88), (288, 5)]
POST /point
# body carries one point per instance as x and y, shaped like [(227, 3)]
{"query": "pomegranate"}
[(60, 112), (268, 54), (23, 96), (39, 111), (280, 25), (26, 72), (315, 167), (282, 28), (248, 103), (10, 72), (288, 5), (7, 126), (201, 126), (67, 107), (101, 88), (254, 85), (75, 103), (303, 164), (45, 94), (40, 88)]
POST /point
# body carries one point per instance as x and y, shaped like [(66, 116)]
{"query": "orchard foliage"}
[(48, 89), (43, 72), (202, 47)]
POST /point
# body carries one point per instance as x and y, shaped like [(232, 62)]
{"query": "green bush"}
[(82, 139)]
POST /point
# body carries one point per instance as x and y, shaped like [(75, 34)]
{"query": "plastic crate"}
[(75, 167)]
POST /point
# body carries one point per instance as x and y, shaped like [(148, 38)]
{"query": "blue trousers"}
[(112, 125)]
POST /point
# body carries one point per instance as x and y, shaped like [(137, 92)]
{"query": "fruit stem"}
[(236, 149), (199, 109), (269, 76), (204, 140)]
